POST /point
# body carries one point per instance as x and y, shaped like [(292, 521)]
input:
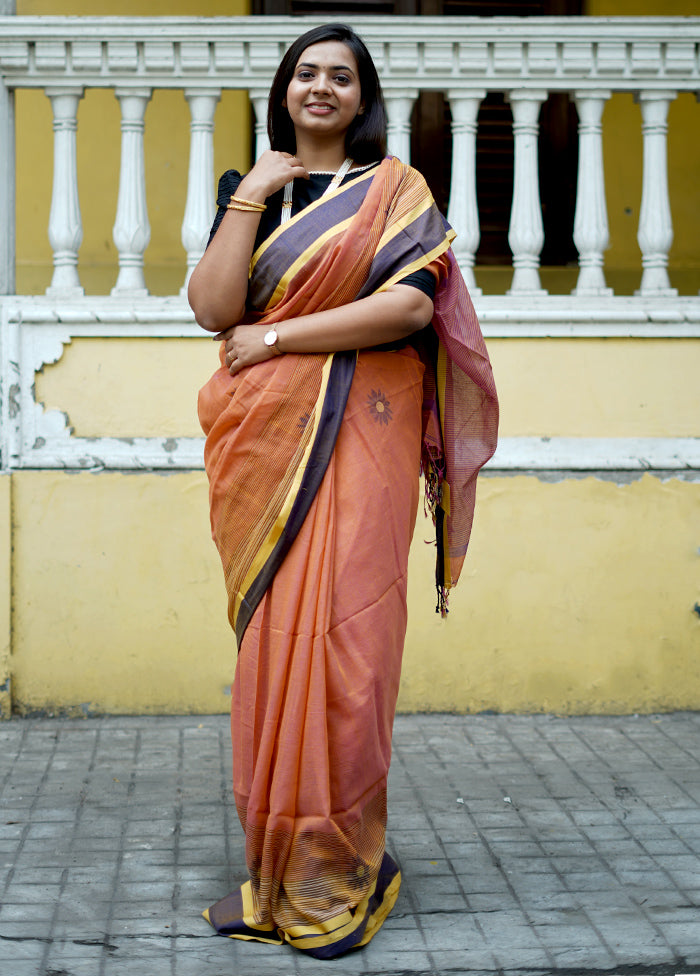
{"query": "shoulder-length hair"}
[(365, 140)]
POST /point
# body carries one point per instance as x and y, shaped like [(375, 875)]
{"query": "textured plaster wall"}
[(577, 596), (548, 387), (118, 595)]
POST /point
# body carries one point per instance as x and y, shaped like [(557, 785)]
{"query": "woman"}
[(313, 451)]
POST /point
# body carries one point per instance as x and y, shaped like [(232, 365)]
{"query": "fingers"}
[(225, 335), (298, 167), (273, 170)]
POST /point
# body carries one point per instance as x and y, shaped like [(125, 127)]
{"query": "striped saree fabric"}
[(313, 464)]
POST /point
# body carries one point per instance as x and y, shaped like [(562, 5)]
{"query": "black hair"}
[(365, 140)]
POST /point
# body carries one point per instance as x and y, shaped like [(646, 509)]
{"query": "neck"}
[(319, 156)]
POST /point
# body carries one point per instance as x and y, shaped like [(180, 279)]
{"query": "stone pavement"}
[(529, 845)]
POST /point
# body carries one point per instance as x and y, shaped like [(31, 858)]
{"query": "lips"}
[(320, 108)]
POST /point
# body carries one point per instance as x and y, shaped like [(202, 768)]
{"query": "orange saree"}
[(313, 464)]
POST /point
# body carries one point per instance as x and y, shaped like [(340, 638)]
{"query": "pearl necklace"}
[(289, 189)]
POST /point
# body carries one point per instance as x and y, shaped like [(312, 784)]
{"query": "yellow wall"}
[(576, 597), (118, 595)]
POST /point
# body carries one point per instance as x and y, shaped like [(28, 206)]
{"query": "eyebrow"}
[(335, 67)]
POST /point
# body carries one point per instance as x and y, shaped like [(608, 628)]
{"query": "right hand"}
[(271, 172)]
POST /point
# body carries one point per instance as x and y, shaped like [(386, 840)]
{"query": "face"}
[(324, 95)]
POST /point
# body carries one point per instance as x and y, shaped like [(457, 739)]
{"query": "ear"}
[(361, 109), (284, 102)]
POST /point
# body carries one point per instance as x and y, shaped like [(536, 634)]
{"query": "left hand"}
[(245, 346)]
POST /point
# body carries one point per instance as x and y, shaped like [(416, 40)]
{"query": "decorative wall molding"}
[(35, 331), (597, 454)]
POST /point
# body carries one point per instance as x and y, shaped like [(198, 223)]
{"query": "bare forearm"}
[(372, 321)]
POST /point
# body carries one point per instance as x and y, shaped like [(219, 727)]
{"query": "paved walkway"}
[(529, 845)]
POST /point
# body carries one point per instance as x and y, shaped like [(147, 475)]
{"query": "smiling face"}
[(324, 95)]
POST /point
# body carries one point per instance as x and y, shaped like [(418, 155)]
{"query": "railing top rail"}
[(33, 27), (560, 53)]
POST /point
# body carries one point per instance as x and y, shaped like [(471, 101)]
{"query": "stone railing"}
[(590, 58)]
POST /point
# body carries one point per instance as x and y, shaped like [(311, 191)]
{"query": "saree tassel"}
[(434, 475), (442, 601)]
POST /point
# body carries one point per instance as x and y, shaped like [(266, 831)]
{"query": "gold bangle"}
[(238, 203), (238, 206)]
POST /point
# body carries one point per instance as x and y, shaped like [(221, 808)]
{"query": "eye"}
[(304, 75), (342, 79)]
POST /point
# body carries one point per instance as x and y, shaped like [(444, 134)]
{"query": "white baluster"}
[(259, 98), (655, 233), (200, 208), (132, 231), (398, 110), (526, 231), (463, 211), (65, 225), (591, 218)]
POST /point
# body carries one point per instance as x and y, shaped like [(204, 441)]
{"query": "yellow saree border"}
[(396, 226), (268, 544), (305, 257), (422, 262), (303, 937), (289, 225)]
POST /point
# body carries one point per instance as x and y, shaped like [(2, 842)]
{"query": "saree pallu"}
[(313, 464)]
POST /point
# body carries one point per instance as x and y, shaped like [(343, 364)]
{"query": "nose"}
[(321, 82)]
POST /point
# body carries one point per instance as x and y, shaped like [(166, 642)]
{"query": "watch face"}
[(270, 338)]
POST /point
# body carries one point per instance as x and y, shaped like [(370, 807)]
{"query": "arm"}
[(219, 284), (385, 317)]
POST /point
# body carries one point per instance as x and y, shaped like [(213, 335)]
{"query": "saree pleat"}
[(318, 599), (318, 671)]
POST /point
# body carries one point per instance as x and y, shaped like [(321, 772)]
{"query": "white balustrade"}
[(200, 207), (526, 231), (398, 110), (463, 211), (65, 225), (655, 234), (591, 217), (132, 231)]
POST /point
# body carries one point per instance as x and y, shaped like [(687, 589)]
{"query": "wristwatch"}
[(270, 339)]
